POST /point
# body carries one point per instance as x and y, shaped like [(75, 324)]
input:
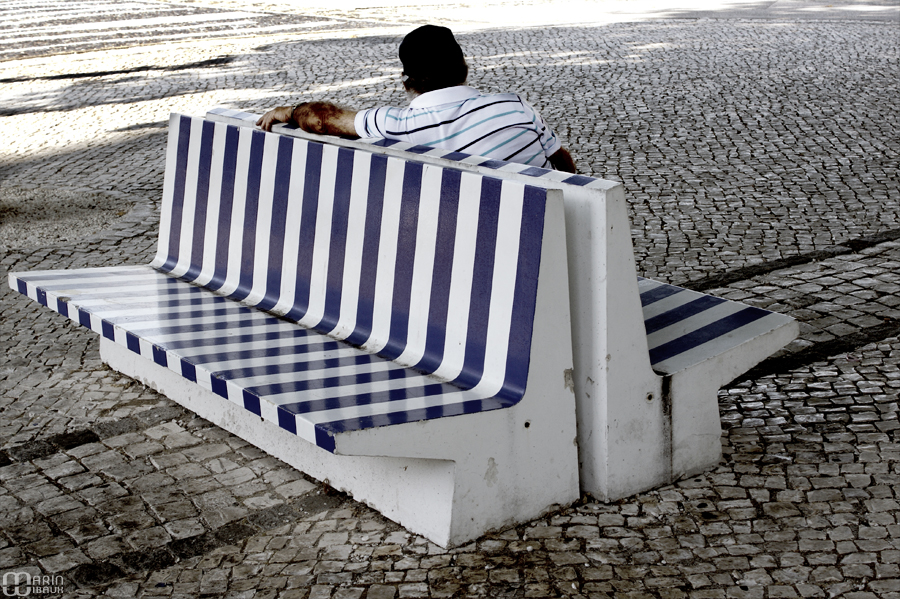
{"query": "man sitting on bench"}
[(443, 112)]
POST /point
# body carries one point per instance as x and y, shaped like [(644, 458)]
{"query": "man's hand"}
[(562, 161), (282, 114)]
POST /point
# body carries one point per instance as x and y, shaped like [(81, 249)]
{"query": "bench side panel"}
[(428, 266)]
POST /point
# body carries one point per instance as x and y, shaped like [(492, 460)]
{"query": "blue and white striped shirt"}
[(462, 119)]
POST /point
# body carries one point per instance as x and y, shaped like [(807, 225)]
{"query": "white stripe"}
[(318, 280), (189, 204), (165, 214), (423, 268), (353, 250), (292, 229), (387, 257), (238, 217), (503, 288), (213, 208), (461, 278), (261, 264)]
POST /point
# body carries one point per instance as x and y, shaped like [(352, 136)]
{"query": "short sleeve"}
[(549, 141), (371, 122)]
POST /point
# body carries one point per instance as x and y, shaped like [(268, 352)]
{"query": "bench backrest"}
[(433, 267)]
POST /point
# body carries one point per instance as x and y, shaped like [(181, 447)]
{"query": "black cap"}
[(431, 53)]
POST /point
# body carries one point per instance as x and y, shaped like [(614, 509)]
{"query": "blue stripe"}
[(531, 235), (133, 342), (41, 294), (84, 318), (579, 180), (370, 398), (22, 286), (287, 421), (704, 334), (659, 293), (251, 214), (180, 173), (188, 371), (534, 171), (271, 335), (371, 243), (159, 356), (453, 409), (107, 330), (680, 313), (308, 216), (282, 183), (324, 439), (494, 164), (340, 219), (443, 269), (220, 354), (455, 156), (252, 403), (226, 205), (297, 366), (202, 201), (332, 382), (218, 386), (404, 265), (418, 149), (482, 283)]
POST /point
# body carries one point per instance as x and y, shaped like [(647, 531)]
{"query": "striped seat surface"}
[(686, 327), (305, 382), (382, 290)]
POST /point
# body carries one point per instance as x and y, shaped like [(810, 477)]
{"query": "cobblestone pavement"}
[(760, 158)]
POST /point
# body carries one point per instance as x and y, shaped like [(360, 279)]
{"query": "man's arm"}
[(562, 161), (323, 118)]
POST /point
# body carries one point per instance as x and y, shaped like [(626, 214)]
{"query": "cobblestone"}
[(740, 143)]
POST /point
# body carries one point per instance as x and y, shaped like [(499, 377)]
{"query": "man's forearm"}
[(323, 118)]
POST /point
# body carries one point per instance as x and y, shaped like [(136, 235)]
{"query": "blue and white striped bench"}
[(398, 328), (649, 357)]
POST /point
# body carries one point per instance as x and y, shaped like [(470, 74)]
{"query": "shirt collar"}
[(448, 95)]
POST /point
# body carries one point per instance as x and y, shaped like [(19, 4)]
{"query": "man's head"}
[(432, 59)]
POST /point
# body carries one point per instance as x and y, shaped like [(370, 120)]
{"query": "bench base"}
[(414, 492)]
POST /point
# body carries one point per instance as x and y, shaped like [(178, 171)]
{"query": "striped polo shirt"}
[(462, 119)]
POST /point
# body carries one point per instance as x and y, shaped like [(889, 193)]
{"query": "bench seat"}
[(302, 381)]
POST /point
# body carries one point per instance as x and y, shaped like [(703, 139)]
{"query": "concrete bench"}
[(397, 328), (649, 357)]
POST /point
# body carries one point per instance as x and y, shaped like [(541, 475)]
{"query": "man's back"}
[(461, 119)]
